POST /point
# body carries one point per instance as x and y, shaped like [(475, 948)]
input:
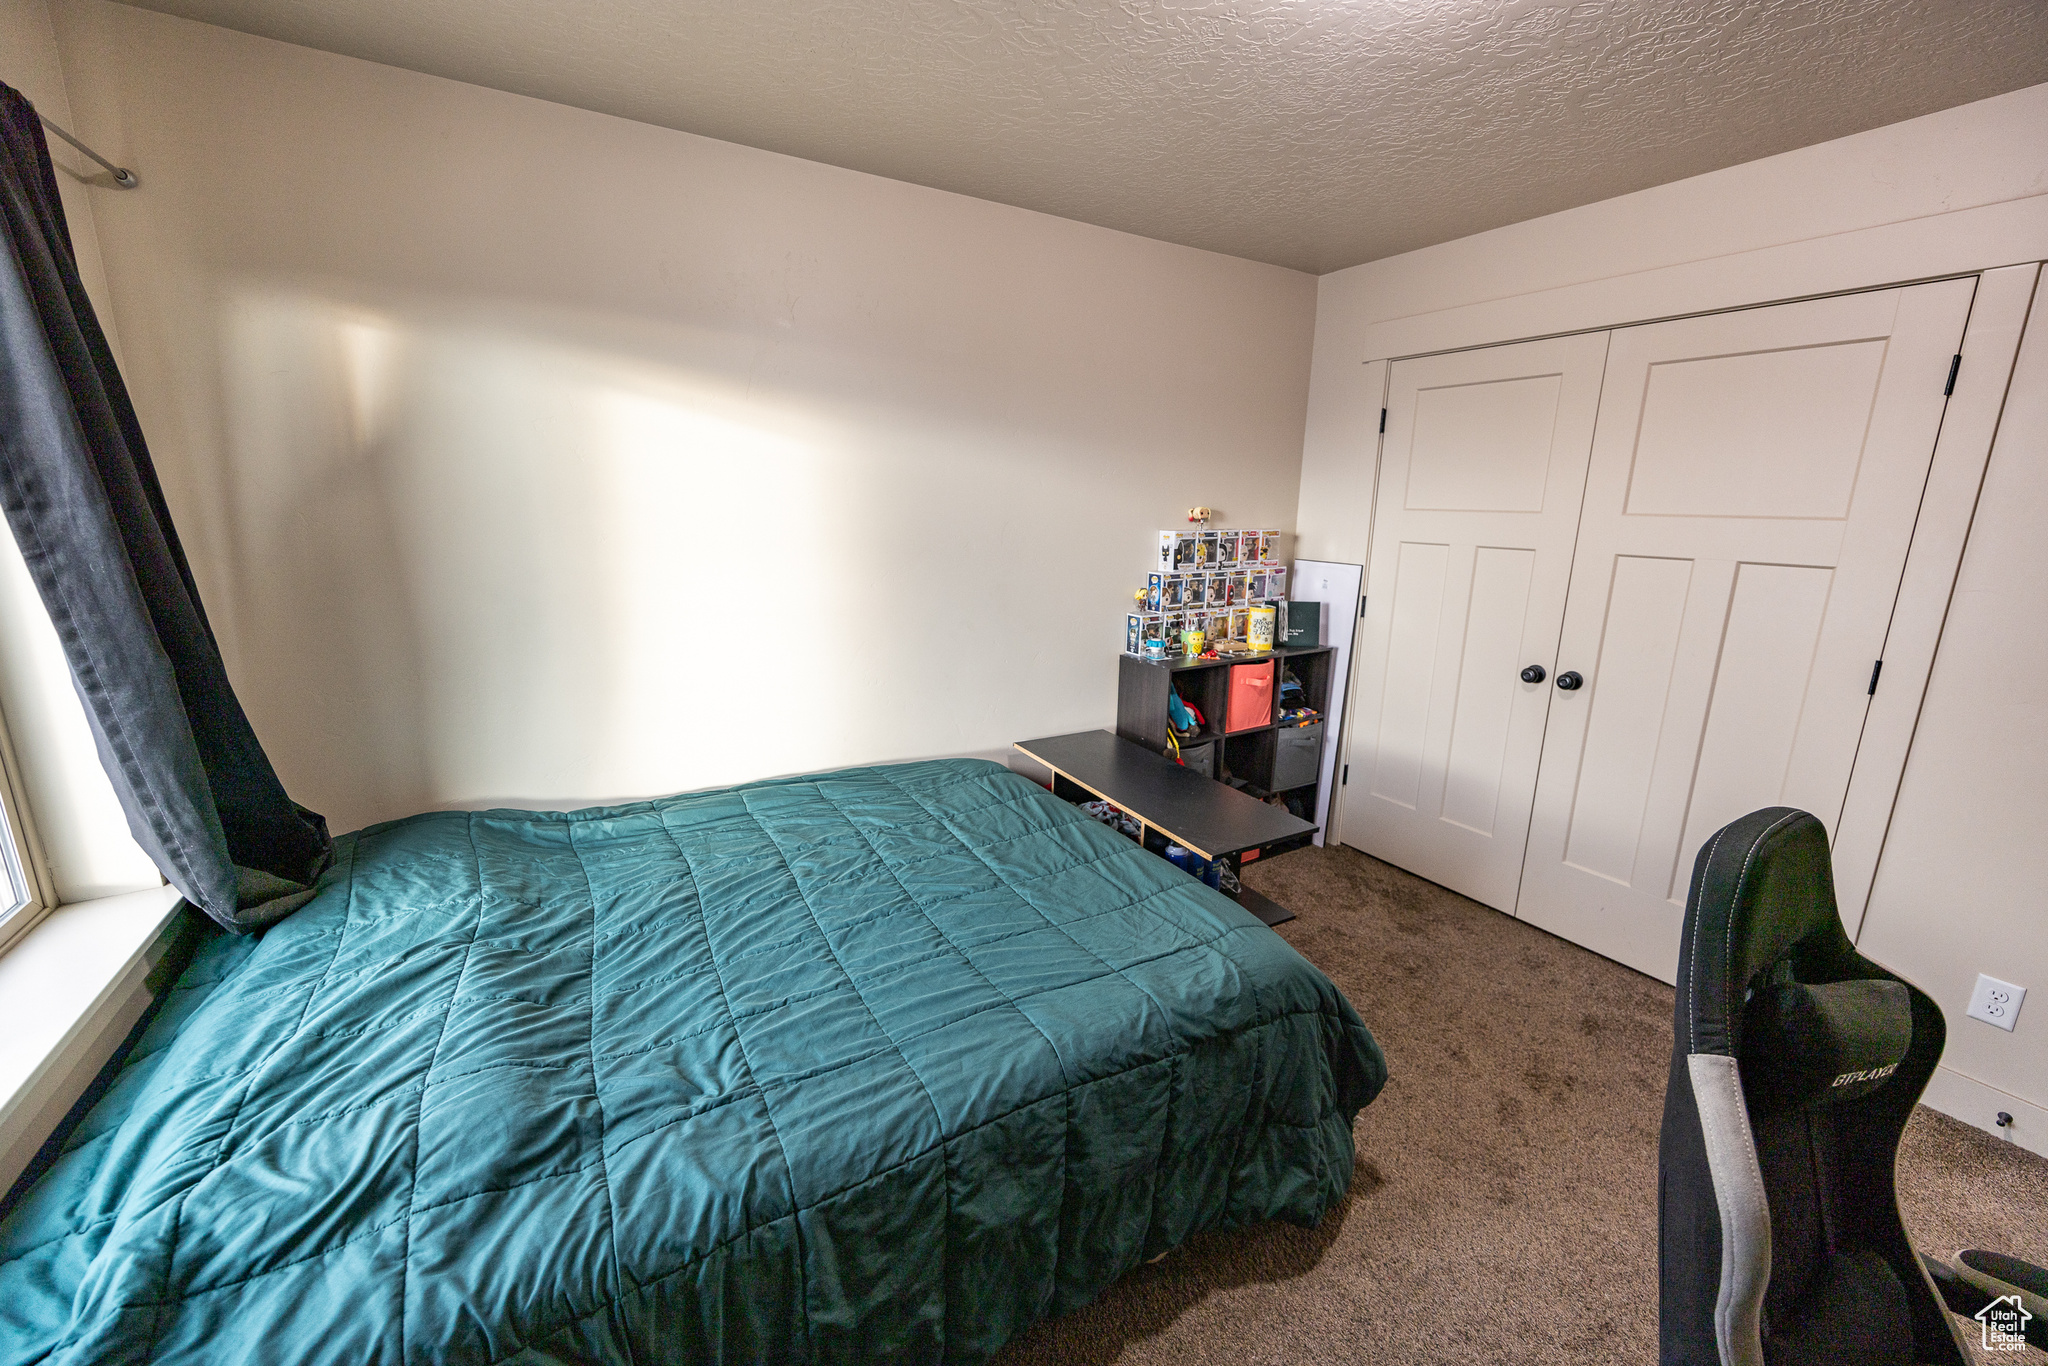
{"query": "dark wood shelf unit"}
[(1143, 686)]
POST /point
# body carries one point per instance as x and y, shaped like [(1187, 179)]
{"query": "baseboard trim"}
[(1979, 1103)]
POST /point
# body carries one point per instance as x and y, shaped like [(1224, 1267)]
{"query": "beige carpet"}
[(1504, 1204)]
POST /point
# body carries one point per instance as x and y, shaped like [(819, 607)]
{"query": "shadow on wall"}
[(464, 555), (467, 561)]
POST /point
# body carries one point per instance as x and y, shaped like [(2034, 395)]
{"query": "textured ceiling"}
[(1308, 133)]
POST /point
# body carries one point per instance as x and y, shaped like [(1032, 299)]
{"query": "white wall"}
[(1958, 191), (530, 455), (86, 848)]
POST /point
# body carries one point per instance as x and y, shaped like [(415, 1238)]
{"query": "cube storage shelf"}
[(1254, 754)]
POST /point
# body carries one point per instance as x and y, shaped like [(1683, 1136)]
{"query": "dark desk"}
[(1213, 819)]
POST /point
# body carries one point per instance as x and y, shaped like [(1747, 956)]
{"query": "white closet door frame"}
[(1962, 451), (1991, 341), (1347, 737)]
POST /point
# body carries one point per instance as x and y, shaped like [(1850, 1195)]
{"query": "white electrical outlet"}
[(1995, 1002)]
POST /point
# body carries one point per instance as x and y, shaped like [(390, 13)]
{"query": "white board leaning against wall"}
[(1337, 587)]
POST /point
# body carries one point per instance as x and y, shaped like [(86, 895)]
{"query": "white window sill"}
[(70, 991)]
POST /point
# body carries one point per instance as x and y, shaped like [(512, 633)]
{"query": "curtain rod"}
[(123, 177)]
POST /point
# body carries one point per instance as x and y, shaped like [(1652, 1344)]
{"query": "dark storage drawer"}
[(1300, 757)]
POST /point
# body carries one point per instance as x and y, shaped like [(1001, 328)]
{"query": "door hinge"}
[(1345, 781), (1875, 670), (1955, 364), (1361, 609), (1383, 422)]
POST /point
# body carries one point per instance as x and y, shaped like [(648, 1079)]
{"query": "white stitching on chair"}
[(1693, 976)]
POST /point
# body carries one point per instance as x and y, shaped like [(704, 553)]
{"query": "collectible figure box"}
[(1176, 552)]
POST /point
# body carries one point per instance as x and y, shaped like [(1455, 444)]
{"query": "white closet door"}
[(1482, 469), (1754, 483)]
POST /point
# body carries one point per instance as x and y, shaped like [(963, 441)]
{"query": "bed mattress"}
[(883, 1064)]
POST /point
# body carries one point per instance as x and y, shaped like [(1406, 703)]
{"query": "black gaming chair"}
[(1796, 1064)]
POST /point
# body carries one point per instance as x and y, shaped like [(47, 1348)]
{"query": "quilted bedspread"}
[(875, 1065)]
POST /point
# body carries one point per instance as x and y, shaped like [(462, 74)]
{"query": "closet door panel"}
[(1697, 455), (1761, 684), (1482, 471), (1750, 500), (1482, 712), (1646, 602), (1415, 627)]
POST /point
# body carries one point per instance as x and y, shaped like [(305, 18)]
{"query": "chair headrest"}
[(1762, 894), (1822, 1044)]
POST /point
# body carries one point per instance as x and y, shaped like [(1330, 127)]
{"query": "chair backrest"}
[(1795, 1065)]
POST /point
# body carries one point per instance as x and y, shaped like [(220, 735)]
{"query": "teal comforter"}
[(875, 1065)]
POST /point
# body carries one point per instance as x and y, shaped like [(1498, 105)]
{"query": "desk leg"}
[(1268, 911)]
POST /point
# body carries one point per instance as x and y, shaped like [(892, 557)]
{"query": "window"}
[(23, 895)]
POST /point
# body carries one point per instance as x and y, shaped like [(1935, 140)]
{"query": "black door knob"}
[(1534, 674), (1569, 680)]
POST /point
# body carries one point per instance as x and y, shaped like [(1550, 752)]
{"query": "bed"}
[(883, 1064)]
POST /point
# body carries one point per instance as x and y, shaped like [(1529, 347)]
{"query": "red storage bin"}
[(1251, 696)]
